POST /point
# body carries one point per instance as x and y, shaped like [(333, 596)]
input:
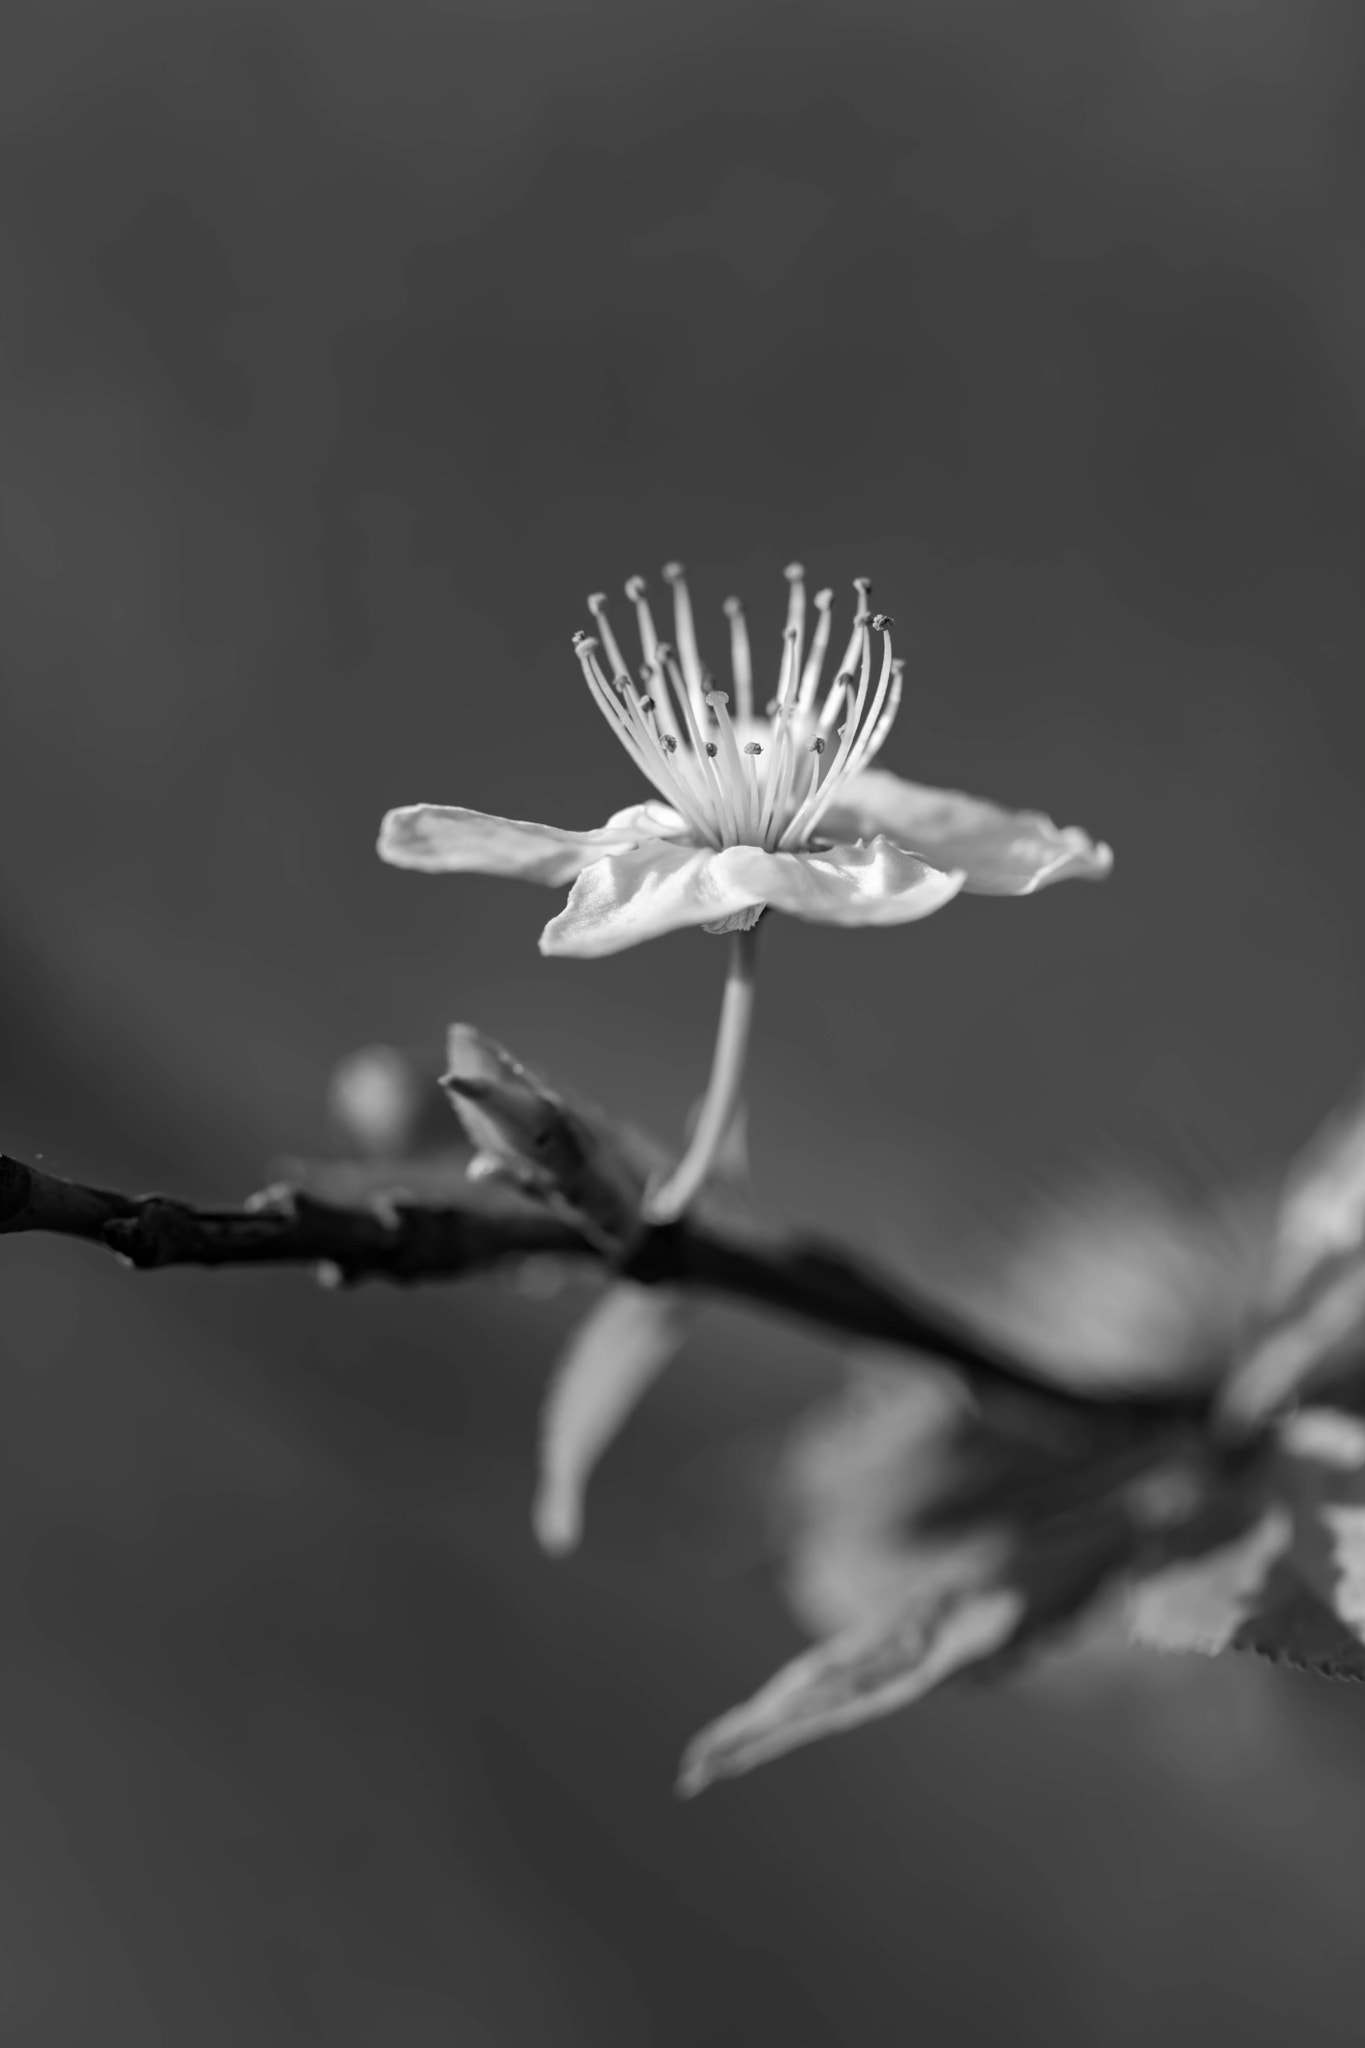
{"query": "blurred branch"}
[(399, 1240)]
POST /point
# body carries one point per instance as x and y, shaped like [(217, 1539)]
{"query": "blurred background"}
[(344, 348)]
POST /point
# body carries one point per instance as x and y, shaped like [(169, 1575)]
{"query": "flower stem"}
[(672, 1196)]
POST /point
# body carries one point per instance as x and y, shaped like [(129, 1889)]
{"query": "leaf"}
[(1115, 1280), (1313, 1315), (615, 1355), (854, 1677), (927, 1536), (573, 1160), (1201, 1602), (1292, 1626), (856, 1474), (1289, 1582)]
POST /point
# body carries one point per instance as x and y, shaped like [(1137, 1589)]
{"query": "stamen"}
[(840, 690), (613, 710), (597, 605), (779, 779), (786, 682), (741, 662), (732, 772), (649, 638), (817, 738), (805, 816), (795, 627), (684, 630), (710, 790), (863, 586), (854, 751), (815, 660)]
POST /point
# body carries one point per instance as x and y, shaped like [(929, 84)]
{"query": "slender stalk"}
[(669, 1200)]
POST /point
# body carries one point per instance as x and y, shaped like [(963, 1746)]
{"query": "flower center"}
[(737, 777)]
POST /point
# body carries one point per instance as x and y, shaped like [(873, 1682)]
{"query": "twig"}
[(407, 1241)]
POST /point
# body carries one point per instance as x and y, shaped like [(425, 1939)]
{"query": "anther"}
[(714, 697), (646, 703), (672, 571), (597, 602), (712, 749), (668, 743), (752, 747), (883, 622), (580, 639), (863, 584), (817, 745), (793, 572), (732, 607), (635, 588)]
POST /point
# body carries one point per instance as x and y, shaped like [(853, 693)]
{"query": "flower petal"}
[(658, 887), (874, 884), (1004, 853), (650, 820), (636, 895), (443, 839)]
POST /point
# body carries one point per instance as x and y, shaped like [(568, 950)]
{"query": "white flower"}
[(779, 808)]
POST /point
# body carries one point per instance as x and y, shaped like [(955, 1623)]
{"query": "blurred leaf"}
[(572, 1159), (1201, 1602), (854, 1677), (1290, 1582), (614, 1356), (1116, 1280), (1312, 1325), (926, 1536)]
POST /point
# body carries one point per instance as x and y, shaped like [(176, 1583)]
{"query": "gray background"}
[(344, 349)]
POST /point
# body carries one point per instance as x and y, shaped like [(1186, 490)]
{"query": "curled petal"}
[(658, 888), (637, 895), (443, 839), (1003, 853), (874, 884)]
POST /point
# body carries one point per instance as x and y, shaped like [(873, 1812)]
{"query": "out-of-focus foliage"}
[(928, 1536)]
